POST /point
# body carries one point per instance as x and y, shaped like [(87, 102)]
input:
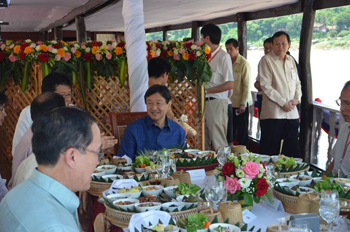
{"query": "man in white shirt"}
[(217, 90)]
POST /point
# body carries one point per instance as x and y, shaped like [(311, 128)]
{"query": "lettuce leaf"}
[(142, 160), (196, 222)]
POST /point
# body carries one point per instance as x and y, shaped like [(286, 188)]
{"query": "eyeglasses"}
[(267, 49), (99, 154), (339, 103), (68, 95)]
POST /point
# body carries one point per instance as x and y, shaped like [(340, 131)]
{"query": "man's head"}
[(268, 44), (58, 83), (232, 48), (3, 100), (345, 102), (67, 140), (158, 101), (159, 68), (281, 43), (211, 34), (45, 102)]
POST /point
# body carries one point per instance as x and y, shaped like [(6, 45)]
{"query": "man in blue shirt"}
[(67, 145), (155, 131)]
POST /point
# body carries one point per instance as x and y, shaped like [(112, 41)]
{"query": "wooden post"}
[(165, 33), (242, 34), (81, 29), (203, 117), (195, 32), (46, 35), (58, 33), (306, 79)]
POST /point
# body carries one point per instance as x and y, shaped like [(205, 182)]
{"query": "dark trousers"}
[(240, 126), (273, 131), (229, 124), (259, 97)]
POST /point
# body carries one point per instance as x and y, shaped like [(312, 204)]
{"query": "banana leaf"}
[(89, 75), (45, 69), (122, 70), (26, 73)]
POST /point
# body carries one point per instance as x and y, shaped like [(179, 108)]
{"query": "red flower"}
[(188, 45), (262, 187), (149, 56), (95, 43), (121, 44), (157, 45), (2, 56), (43, 57), (208, 56), (192, 56), (163, 54), (22, 56), (23, 46), (148, 46), (228, 169), (88, 57), (264, 167), (57, 46)]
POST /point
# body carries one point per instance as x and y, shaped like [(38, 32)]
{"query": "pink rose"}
[(11, 46), (176, 57), (182, 51), (83, 46), (109, 56), (251, 169), (165, 47), (109, 47), (98, 56), (12, 58), (32, 45), (3, 46), (67, 56), (57, 57), (49, 48), (199, 43), (113, 40), (232, 185), (73, 50), (40, 42)]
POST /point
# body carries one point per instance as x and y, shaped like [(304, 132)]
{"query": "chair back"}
[(119, 122)]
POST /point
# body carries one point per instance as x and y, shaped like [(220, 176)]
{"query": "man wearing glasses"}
[(67, 146), (281, 87)]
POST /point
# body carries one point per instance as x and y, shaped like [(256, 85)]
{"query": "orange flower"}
[(152, 53), (95, 49), (206, 50), (64, 43), (118, 50), (16, 49), (170, 53), (61, 52), (7, 48), (43, 48), (185, 56), (77, 53), (28, 50)]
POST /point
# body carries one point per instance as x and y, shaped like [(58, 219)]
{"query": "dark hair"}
[(46, 102), (347, 85), (3, 98), (279, 33), (158, 66), (233, 42), (57, 130), (53, 80), (268, 40), (213, 31), (187, 39), (161, 89)]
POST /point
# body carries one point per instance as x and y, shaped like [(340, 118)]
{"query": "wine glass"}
[(329, 206), (172, 162), (271, 173), (298, 226), (223, 153), (214, 194)]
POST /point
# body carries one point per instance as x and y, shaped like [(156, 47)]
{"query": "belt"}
[(210, 98)]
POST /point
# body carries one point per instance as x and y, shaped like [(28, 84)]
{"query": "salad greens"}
[(142, 160), (196, 222), (327, 184), (188, 189), (286, 162)]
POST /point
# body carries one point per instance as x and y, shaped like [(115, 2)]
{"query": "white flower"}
[(114, 44), (28, 40), (54, 51), (183, 118), (76, 46), (176, 51), (244, 182), (239, 173), (261, 169), (165, 42), (54, 41), (193, 47), (245, 159), (198, 53), (158, 52), (87, 50), (65, 49), (37, 48)]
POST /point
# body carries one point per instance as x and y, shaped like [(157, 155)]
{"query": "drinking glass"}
[(329, 206), (154, 178), (223, 153), (214, 194), (271, 173), (223, 190), (298, 226), (172, 162)]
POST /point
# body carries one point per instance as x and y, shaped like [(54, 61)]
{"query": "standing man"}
[(267, 50), (217, 90), (3, 100), (241, 98), (281, 93)]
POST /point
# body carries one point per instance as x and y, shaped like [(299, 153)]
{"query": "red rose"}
[(2, 56), (88, 57), (149, 56), (208, 56), (228, 169), (192, 56), (43, 57), (57, 46), (22, 56), (188, 45), (262, 187), (163, 54), (148, 46), (264, 167), (157, 45), (121, 44), (23, 46), (97, 44)]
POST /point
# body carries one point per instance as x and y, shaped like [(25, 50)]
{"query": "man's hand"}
[(241, 109), (108, 141), (294, 102), (288, 106), (257, 85)]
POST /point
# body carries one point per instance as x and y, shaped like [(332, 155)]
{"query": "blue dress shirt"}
[(144, 133), (39, 204)]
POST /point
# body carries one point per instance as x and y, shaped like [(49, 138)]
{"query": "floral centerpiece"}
[(245, 176)]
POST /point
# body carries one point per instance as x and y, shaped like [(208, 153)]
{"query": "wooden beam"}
[(306, 79), (81, 29), (294, 8), (242, 34), (170, 27), (195, 35), (323, 4), (58, 33), (165, 33)]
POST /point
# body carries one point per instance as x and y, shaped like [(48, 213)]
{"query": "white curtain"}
[(135, 39)]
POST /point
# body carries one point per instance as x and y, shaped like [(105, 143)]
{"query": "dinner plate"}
[(342, 181)]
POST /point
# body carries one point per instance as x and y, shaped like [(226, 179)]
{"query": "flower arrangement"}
[(245, 176)]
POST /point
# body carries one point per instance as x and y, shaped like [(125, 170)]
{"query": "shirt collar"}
[(149, 122), (216, 50), (275, 57), (61, 193), (238, 59)]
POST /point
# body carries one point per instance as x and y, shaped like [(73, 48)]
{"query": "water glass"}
[(214, 194), (172, 162), (329, 206), (223, 153), (298, 226), (271, 173)]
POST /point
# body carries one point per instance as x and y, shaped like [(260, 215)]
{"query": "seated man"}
[(67, 146), (3, 100), (155, 131), (41, 104)]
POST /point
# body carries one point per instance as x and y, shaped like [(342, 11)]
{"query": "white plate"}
[(152, 192), (302, 182), (110, 169), (126, 207), (148, 208), (192, 151), (233, 228), (179, 206), (306, 190), (342, 181)]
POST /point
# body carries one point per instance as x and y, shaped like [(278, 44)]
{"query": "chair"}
[(120, 121)]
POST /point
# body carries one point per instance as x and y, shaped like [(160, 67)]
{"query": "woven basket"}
[(277, 228), (211, 214), (288, 174), (239, 149), (289, 202), (170, 182), (308, 203), (122, 219), (183, 176), (97, 188), (232, 211)]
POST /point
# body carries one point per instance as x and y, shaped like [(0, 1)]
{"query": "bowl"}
[(342, 181), (110, 169), (112, 177), (134, 195), (139, 176), (307, 181), (174, 206), (187, 204), (142, 207), (158, 189), (175, 228), (290, 184), (192, 151), (263, 158), (127, 167), (233, 228), (306, 190), (116, 196), (298, 160), (150, 170), (126, 207), (277, 157), (170, 191), (140, 170), (204, 153), (317, 179), (99, 172)]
